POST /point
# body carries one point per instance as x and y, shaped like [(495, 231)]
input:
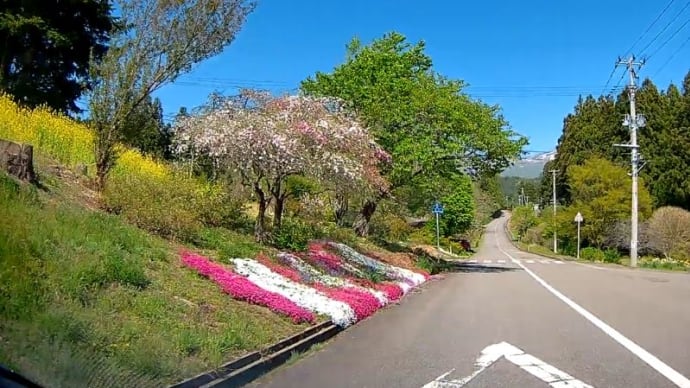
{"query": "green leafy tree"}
[(146, 131), (46, 46), (431, 129), (591, 130), (601, 192), (163, 40), (522, 219), (459, 208)]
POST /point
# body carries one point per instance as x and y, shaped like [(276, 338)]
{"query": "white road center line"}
[(487, 261), (528, 261), (634, 348), (500, 261)]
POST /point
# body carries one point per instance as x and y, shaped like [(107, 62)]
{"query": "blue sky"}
[(531, 57)]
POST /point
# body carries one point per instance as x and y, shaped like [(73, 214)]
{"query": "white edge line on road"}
[(634, 348)]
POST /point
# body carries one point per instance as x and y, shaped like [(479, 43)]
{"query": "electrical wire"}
[(649, 28), (665, 27), (669, 39), (671, 57)]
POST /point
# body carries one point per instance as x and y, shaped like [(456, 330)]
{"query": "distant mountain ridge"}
[(530, 167)]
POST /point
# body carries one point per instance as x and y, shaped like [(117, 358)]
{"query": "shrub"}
[(331, 231), (294, 234), (612, 255), (161, 206), (592, 254), (669, 232), (389, 227)]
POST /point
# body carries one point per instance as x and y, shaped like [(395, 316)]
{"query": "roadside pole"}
[(578, 219), (437, 210)]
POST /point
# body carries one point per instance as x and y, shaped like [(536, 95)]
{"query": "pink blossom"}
[(279, 269), (242, 288), (393, 291), (324, 259), (363, 303)]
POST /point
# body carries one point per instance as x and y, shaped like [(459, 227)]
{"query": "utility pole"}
[(555, 224), (633, 121)]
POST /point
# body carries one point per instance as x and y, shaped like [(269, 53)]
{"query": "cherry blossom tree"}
[(266, 139)]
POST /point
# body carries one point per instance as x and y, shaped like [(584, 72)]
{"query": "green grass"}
[(88, 300), (644, 262)]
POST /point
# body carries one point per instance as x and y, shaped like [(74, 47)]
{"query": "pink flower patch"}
[(279, 269), (393, 291), (362, 302), (324, 259), (242, 288)]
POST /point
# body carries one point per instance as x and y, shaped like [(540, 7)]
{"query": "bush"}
[(388, 226), (612, 255), (294, 234), (669, 232), (161, 206), (334, 232), (592, 254), (172, 206)]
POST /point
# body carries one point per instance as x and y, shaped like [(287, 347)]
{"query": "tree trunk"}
[(278, 212), (18, 160), (340, 208), (105, 155), (259, 226), (361, 225)]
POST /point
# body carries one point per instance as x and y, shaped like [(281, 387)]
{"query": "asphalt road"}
[(559, 324)]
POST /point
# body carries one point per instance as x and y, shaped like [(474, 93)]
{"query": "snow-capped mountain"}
[(529, 167)]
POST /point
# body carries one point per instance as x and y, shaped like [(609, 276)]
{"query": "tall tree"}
[(45, 48), (423, 120), (600, 190), (279, 138), (146, 131), (163, 40), (591, 130)]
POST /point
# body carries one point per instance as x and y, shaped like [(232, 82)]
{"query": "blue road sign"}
[(437, 209)]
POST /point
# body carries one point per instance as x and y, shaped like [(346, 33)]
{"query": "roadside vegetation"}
[(593, 179), (150, 251)]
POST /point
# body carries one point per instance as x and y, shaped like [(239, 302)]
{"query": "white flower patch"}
[(390, 270), (328, 280), (340, 313), (405, 287)]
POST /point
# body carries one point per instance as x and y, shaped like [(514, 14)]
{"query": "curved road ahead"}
[(513, 319)]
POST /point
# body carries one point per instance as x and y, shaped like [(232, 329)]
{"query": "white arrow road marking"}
[(530, 364), (651, 360)]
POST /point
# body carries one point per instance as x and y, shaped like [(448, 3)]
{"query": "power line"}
[(608, 80), (665, 27), (671, 57), (647, 30), (619, 81), (669, 39)]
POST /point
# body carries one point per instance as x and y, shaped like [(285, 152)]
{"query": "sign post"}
[(437, 210), (578, 219)]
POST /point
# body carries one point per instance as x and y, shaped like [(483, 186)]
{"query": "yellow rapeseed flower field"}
[(67, 141)]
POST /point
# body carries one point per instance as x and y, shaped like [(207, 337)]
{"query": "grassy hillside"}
[(89, 297), (84, 296)]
